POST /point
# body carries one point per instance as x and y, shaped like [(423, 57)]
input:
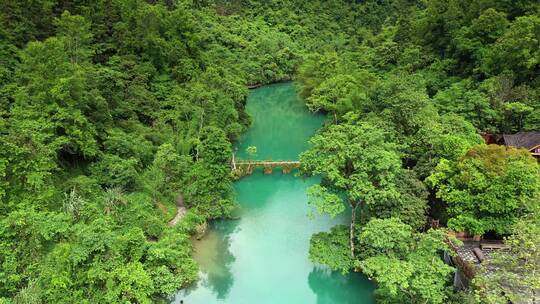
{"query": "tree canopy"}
[(110, 111), (489, 188), (405, 263)]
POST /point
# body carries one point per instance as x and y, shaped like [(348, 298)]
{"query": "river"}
[(263, 256)]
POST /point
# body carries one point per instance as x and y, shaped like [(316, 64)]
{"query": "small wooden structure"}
[(526, 140), (479, 254), (494, 246), (469, 255), (488, 138)]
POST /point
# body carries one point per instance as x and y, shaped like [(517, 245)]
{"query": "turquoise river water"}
[(263, 256)]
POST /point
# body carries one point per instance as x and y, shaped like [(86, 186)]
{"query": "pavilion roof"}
[(527, 140)]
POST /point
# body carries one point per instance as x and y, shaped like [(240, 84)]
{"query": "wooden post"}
[(268, 169)]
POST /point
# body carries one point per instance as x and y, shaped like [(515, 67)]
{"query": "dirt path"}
[(180, 211)]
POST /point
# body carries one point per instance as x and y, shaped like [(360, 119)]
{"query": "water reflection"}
[(220, 278), (263, 257), (283, 132), (333, 287), (214, 257)]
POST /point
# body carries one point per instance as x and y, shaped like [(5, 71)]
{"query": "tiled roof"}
[(527, 140)]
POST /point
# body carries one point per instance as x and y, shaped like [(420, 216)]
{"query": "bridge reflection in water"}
[(245, 167)]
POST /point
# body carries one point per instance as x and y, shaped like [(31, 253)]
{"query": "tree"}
[(473, 42), (447, 136), (109, 109), (332, 249), (214, 147), (333, 95), (532, 122), (251, 151), (402, 100), (315, 70), (354, 159), (515, 114), (114, 171), (489, 26), (441, 22), (130, 283), (173, 165), (342, 93), (101, 121), (76, 36), (464, 99), (390, 237), (513, 101), (26, 21), (411, 205), (517, 50), (488, 189), (406, 265), (58, 97)]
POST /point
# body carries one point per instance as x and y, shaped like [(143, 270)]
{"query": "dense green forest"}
[(113, 113)]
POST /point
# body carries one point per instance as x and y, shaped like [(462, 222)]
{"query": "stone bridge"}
[(245, 167)]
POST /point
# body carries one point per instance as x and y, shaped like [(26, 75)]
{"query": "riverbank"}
[(263, 256)]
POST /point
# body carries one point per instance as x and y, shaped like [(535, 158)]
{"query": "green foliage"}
[(332, 249), (76, 36), (114, 171), (448, 137), (429, 78), (128, 145), (333, 95), (517, 50), (462, 98), (411, 205), (355, 158), (406, 265), (325, 201), (403, 101), (532, 122), (111, 110), (251, 150), (385, 237), (488, 189), (214, 147)]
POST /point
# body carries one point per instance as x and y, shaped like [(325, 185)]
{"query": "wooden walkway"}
[(246, 167)]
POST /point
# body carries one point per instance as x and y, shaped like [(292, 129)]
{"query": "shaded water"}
[(263, 256)]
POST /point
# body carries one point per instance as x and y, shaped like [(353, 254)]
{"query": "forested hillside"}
[(113, 113), (409, 101)]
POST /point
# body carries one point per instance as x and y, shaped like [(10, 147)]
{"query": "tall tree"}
[(488, 189), (406, 265), (517, 50), (447, 136), (353, 159)]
